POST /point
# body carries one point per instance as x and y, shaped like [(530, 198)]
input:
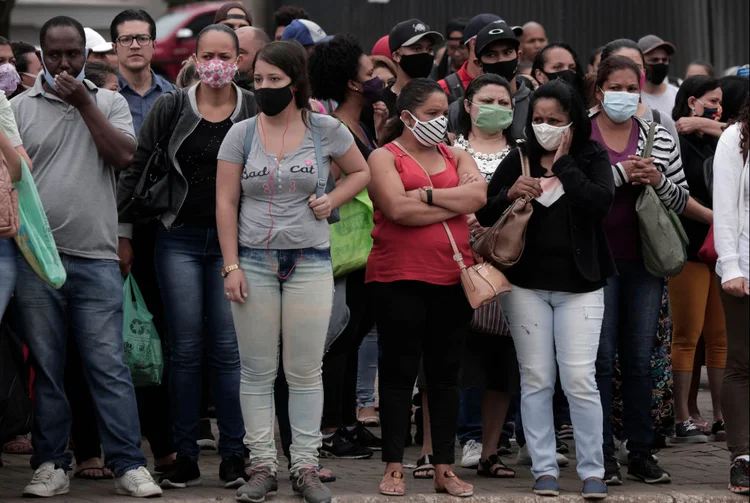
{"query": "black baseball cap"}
[(410, 32), (497, 31), (476, 24)]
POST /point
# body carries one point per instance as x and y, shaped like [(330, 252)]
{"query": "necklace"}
[(487, 163)]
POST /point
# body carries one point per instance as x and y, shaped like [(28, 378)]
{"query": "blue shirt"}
[(140, 105)]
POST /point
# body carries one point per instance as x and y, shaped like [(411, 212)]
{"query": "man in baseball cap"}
[(412, 45), (306, 33), (657, 92), (456, 83), (99, 49)]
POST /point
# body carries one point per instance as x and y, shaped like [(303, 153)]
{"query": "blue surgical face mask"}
[(51, 78), (620, 105)]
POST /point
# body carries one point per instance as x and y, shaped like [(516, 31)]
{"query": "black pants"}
[(419, 321), (341, 362), (153, 401)]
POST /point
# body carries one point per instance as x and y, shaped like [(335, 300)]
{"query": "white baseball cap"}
[(95, 42)]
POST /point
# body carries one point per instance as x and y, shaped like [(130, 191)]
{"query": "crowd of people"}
[(282, 156)]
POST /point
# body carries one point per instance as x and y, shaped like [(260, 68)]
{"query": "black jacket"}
[(589, 184), (695, 150)]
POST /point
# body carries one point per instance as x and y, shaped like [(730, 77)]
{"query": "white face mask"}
[(549, 137), (429, 133)]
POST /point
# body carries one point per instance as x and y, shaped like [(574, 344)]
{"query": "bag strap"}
[(249, 135), (455, 86), (173, 118), (525, 169), (649, 140), (657, 115), (320, 190), (457, 256)]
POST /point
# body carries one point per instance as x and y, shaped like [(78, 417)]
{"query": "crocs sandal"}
[(495, 468), (20, 445), (425, 469)]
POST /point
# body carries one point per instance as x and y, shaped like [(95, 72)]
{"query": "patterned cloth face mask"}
[(216, 73)]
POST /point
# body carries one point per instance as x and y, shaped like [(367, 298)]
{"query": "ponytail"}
[(412, 96)]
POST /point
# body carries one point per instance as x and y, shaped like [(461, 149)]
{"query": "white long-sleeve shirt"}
[(731, 207)]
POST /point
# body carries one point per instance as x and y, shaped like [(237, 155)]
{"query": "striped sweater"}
[(673, 188)]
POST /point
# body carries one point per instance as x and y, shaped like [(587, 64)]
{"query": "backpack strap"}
[(249, 135), (455, 86), (320, 189)]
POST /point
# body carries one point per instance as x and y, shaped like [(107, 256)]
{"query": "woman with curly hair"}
[(341, 71), (732, 239)]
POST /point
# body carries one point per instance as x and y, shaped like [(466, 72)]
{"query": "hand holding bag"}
[(503, 243), (482, 283)]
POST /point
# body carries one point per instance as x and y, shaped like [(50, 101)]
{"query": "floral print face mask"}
[(216, 73)]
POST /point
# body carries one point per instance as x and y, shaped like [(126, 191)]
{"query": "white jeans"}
[(298, 309), (563, 328)]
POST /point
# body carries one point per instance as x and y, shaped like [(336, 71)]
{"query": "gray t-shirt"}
[(281, 194), (76, 187)]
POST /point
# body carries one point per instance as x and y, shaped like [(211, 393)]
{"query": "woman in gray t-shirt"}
[(279, 245)]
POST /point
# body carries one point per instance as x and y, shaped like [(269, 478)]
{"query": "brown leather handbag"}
[(482, 283), (9, 223), (503, 243)]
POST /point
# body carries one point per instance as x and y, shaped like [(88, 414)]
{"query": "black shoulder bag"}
[(152, 196)]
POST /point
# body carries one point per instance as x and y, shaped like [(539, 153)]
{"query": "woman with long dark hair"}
[(275, 236), (556, 306), (731, 235), (559, 61), (420, 308)]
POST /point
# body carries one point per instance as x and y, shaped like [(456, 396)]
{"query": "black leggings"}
[(341, 362), (419, 321)]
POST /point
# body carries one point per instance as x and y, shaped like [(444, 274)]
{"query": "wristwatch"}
[(225, 270), (428, 190)]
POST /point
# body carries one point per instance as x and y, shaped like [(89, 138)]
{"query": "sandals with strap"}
[(493, 467), (397, 480), (425, 469), (454, 486)]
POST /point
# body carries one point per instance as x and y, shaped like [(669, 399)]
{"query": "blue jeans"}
[(367, 370), (199, 318), (470, 415), (554, 330), (8, 272), (632, 302), (88, 307), (297, 310)]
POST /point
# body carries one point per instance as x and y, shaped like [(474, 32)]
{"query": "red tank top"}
[(424, 254)]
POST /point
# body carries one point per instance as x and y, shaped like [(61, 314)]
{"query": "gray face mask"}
[(51, 79)]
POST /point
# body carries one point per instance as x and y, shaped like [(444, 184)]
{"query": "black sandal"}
[(500, 471), (425, 465)]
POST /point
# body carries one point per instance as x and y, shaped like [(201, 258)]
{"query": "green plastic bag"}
[(143, 354), (351, 239), (34, 239)]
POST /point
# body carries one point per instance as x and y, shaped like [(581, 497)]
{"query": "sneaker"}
[(308, 485), (739, 476), (338, 447), (594, 489), (261, 482), (546, 486), (645, 469), (503, 446), (232, 472), (612, 475), (363, 437), (472, 453), (562, 447), (137, 483), (687, 433), (48, 481), (524, 458), (184, 473), (206, 439), (717, 431)]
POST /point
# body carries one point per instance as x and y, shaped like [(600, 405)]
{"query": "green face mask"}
[(493, 118)]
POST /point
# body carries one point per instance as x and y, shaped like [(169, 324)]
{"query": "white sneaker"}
[(472, 454), (524, 458), (48, 481), (137, 483)]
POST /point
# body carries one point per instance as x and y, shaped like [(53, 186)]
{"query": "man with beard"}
[(657, 92)]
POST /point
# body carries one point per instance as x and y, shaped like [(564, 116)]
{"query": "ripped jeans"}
[(551, 330)]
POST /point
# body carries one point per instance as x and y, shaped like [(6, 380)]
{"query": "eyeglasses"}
[(127, 40)]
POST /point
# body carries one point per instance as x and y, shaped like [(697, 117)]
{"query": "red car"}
[(175, 35)]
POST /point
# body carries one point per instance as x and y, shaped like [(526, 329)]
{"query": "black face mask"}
[(657, 73), (417, 66), (505, 69), (566, 76), (273, 101)]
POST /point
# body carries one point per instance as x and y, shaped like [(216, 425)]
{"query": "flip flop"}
[(425, 465), (398, 484), (500, 471), (370, 421), (81, 474), (20, 445)]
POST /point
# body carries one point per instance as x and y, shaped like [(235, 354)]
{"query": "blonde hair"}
[(188, 75)]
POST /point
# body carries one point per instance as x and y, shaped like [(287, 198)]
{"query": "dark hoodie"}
[(521, 101)]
